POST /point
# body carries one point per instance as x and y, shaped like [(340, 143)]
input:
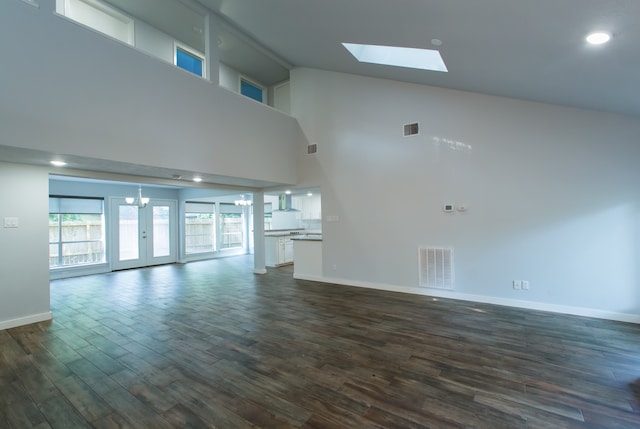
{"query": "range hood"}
[(284, 203)]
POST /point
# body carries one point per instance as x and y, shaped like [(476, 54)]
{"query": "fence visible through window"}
[(76, 239), (231, 231), (199, 227)]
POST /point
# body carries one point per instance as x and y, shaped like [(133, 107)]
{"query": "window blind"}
[(75, 205)]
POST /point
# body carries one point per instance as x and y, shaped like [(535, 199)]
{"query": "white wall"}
[(552, 192), (70, 90), (229, 78), (154, 42), (285, 220), (24, 253), (108, 189), (282, 97)]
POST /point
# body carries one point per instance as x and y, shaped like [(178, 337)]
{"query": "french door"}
[(143, 236)]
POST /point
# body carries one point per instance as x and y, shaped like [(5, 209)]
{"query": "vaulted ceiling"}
[(533, 50)]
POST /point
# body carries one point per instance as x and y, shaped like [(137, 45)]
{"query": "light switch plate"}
[(10, 222)]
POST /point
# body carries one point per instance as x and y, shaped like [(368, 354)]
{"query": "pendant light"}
[(139, 200), (243, 202)]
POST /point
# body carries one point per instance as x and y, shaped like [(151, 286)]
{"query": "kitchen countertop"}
[(283, 232), (307, 237)]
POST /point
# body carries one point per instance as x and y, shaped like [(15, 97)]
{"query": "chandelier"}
[(139, 201), (242, 202)]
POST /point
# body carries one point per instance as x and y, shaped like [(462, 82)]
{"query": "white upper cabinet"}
[(310, 207)]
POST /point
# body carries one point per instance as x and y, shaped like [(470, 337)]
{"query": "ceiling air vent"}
[(411, 129), (312, 148)]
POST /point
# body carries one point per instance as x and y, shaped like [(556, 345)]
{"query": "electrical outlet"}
[(525, 284), (517, 284)]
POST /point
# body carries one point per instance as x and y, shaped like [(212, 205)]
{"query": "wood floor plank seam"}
[(210, 344)]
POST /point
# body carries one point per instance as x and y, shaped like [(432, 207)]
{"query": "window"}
[(161, 231), (76, 232), (200, 227), (189, 60), (99, 16), (119, 22), (232, 222), (251, 90)]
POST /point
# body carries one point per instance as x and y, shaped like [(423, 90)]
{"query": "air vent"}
[(435, 267), (312, 148), (411, 129)]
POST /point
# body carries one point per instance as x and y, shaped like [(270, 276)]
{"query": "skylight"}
[(424, 59)]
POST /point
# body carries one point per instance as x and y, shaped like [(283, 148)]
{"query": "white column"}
[(212, 49), (258, 234)]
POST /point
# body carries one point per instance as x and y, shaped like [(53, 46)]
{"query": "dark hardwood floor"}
[(208, 344)]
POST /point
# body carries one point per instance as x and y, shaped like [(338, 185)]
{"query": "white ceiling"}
[(527, 49)]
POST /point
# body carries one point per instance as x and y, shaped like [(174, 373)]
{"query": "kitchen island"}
[(307, 257), (279, 247)]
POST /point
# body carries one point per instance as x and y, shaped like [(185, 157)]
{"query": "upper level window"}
[(188, 59), (100, 17), (120, 23), (251, 90)]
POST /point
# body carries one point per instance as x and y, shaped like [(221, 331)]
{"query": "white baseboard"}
[(88, 270), (21, 321), (262, 271), (311, 278), (529, 305)]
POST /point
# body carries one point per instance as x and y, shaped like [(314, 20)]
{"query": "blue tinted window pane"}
[(251, 90), (188, 62)]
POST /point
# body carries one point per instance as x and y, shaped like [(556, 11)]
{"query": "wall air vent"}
[(312, 148), (435, 267), (411, 129)]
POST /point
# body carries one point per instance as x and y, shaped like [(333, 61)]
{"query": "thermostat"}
[(448, 208)]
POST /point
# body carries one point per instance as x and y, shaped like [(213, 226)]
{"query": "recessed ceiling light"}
[(598, 38), (58, 163), (423, 59), (288, 192), (309, 194), (197, 179)]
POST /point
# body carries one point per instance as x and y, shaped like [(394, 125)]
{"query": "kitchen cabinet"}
[(287, 251), (309, 207), (278, 250)]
